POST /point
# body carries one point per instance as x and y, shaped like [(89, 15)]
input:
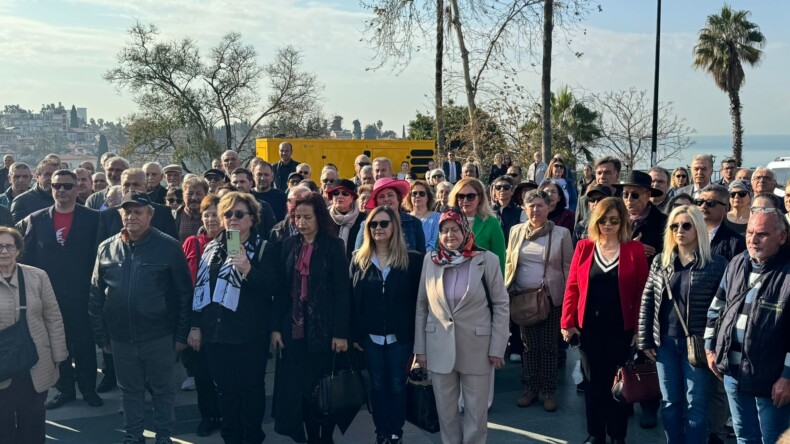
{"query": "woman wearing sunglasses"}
[(558, 211), (469, 194), (419, 203), (683, 280), (345, 212), (558, 172), (231, 312), (385, 277), (740, 200), (680, 179), (461, 328), (392, 192), (601, 309)]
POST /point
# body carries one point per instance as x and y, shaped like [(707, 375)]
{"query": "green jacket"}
[(489, 236)]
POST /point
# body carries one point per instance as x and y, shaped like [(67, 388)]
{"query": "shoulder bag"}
[(695, 345), (17, 350), (531, 306)]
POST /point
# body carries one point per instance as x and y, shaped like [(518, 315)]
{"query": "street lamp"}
[(654, 138)]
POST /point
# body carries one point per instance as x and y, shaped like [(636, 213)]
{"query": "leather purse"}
[(420, 400), (18, 352), (695, 344), (340, 391), (636, 382), (532, 306)]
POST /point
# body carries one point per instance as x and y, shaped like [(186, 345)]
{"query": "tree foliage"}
[(357, 132)]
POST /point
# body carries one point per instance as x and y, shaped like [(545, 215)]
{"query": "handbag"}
[(532, 306), (421, 401), (636, 382), (695, 345), (18, 352), (340, 391)]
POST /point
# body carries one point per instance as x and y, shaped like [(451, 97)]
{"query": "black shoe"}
[(59, 400), (381, 439), (594, 440), (207, 427), (107, 383), (649, 419), (395, 439), (714, 439), (92, 399), (580, 386)]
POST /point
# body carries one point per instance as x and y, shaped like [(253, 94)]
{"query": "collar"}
[(712, 233)]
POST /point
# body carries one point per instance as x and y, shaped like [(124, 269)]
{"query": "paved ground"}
[(76, 423)]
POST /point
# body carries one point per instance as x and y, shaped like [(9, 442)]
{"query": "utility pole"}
[(654, 139)]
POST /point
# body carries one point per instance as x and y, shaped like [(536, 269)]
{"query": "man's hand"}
[(780, 392), (711, 355), (195, 339), (277, 340), (649, 251), (422, 361)]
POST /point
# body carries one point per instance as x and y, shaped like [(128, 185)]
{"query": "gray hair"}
[(19, 166), (153, 164), (366, 169), (531, 195), (767, 170), (703, 157), (111, 160), (444, 185), (297, 189)]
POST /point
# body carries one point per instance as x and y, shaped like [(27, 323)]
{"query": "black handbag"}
[(18, 352), (340, 392), (420, 401)]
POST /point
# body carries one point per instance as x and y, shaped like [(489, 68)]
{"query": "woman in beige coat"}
[(529, 265), (22, 398)]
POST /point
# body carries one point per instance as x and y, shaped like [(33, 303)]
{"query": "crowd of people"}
[(243, 264)]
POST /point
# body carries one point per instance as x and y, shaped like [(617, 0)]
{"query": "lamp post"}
[(654, 138)]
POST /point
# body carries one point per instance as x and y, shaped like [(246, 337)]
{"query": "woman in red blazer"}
[(601, 309)]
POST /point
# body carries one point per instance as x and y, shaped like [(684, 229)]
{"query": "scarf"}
[(301, 282), (535, 232), (228, 286), (446, 257), (344, 221)]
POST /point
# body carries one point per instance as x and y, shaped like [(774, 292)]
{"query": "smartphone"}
[(233, 243)]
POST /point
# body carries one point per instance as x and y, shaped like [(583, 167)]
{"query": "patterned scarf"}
[(301, 289), (228, 285), (344, 221), (446, 257)]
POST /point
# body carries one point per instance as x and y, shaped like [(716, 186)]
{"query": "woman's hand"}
[(496, 362), (422, 361), (195, 339), (277, 340), (339, 345), (241, 262), (567, 333), (650, 353)]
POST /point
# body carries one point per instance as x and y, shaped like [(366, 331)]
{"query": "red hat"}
[(400, 186)]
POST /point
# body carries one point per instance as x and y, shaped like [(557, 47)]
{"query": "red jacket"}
[(193, 249), (632, 271)]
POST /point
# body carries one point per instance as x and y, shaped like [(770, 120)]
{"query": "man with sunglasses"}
[(713, 202), (61, 240), (215, 179), (647, 221), (360, 162), (506, 209), (514, 171)]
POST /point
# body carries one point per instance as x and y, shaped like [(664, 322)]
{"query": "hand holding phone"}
[(233, 243)]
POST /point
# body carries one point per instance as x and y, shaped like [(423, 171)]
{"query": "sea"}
[(758, 150)]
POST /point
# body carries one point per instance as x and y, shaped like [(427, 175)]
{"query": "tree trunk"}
[(468, 85), (439, 81), (545, 81), (737, 127)]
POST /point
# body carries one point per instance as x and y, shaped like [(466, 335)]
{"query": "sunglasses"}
[(238, 214), (559, 165), (612, 220), (212, 178), (470, 196), (303, 173), (340, 193), (375, 224), (63, 186), (505, 187), (595, 199), (327, 180), (418, 194), (708, 202), (631, 195), (363, 164), (685, 226), (680, 176), (739, 194), (512, 174), (171, 200)]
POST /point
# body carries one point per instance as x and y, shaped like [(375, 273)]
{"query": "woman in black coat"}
[(310, 320)]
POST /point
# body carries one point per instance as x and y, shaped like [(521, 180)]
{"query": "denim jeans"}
[(755, 419), (387, 365), (684, 392)]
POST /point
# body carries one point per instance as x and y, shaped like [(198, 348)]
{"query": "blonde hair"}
[(398, 254), (703, 240), (407, 205), (483, 207), (603, 207)]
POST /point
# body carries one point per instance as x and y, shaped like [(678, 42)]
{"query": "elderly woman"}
[(600, 310), (363, 192), (311, 319), (682, 283), (22, 397), (539, 256), (392, 192), (231, 313), (345, 213), (443, 190), (558, 211), (461, 327), (419, 204), (469, 194), (385, 278), (740, 201)]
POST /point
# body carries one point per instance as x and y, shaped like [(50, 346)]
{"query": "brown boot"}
[(526, 399), (549, 403)]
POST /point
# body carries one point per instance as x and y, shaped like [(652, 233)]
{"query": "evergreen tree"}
[(74, 119)]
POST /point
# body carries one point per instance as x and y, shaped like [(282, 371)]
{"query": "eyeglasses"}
[(438, 176), (172, 200), (8, 247), (630, 195), (63, 186), (559, 165), (343, 193), (418, 193), (505, 187), (375, 224), (238, 214), (327, 180), (469, 197), (708, 202), (595, 199), (739, 194), (615, 221), (680, 176), (764, 210), (303, 173), (762, 178), (685, 226), (513, 174)]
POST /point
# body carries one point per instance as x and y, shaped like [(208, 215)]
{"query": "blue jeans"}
[(755, 419), (684, 389), (387, 366)]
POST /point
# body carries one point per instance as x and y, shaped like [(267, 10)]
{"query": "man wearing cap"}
[(284, 167), (647, 221), (360, 162), (264, 189), (215, 178), (391, 192), (594, 194), (153, 179), (727, 170), (343, 208), (174, 174), (140, 304), (506, 209), (660, 180), (294, 179)]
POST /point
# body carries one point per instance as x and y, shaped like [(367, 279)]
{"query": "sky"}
[(57, 50)]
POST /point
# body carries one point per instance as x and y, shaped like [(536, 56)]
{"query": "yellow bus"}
[(341, 153)]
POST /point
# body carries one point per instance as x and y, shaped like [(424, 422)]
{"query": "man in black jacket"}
[(140, 304), (506, 209), (284, 167), (61, 240), (264, 190), (648, 222), (713, 202), (39, 196), (113, 167)]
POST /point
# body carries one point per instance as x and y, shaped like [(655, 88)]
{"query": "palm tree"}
[(727, 41)]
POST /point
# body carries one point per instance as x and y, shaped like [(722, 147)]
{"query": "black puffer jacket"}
[(703, 284)]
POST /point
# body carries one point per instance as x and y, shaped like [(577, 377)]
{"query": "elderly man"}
[(61, 240), (537, 170), (187, 216), (701, 172), (607, 173), (763, 181), (174, 174), (647, 221), (88, 166), (470, 170), (451, 167), (744, 174), (140, 304), (84, 185), (285, 166), (113, 168), (366, 175), (39, 196), (215, 179), (382, 167), (153, 180), (727, 171), (264, 189), (328, 178), (747, 338), (99, 182), (360, 162), (230, 161), (713, 202), (241, 178), (660, 180), (8, 160), (305, 171), (20, 178), (285, 228)]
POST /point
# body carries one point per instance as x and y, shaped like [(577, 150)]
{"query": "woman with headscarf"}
[(344, 211), (461, 327), (740, 201)]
